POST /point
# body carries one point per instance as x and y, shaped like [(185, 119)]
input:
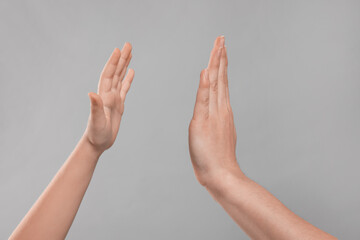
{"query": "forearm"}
[(258, 212), (53, 213)]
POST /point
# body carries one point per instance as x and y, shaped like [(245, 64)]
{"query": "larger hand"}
[(212, 135), (212, 141)]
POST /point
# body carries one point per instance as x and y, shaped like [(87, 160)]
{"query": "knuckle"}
[(214, 85), (205, 99)]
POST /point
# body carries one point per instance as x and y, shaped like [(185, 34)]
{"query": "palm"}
[(107, 106)]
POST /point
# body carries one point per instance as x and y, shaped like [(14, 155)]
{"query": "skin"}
[(212, 144), (53, 213)]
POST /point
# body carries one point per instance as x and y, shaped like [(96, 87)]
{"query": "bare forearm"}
[(212, 145), (53, 213), (258, 212)]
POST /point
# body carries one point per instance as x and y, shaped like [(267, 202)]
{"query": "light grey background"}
[(295, 82)]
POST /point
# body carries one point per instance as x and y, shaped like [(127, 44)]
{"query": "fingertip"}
[(115, 56), (126, 50), (92, 98), (131, 73), (91, 94), (128, 45), (116, 52), (95, 99), (94, 94), (222, 41), (219, 41)]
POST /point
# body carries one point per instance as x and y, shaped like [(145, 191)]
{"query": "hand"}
[(212, 134), (107, 106)]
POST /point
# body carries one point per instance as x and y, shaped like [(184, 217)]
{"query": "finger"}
[(228, 95), (123, 73), (127, 83), (213, 69), (108, 71), (222, 81), (125, 53), (97, 110), (227, 82), (201, 109)]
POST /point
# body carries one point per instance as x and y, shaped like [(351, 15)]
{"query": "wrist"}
[(224, 181), (89, 147)]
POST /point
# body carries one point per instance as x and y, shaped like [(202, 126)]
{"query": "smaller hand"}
[(212, 134), (107, 106)]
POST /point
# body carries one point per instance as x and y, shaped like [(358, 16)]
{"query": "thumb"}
[(97, 109)]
